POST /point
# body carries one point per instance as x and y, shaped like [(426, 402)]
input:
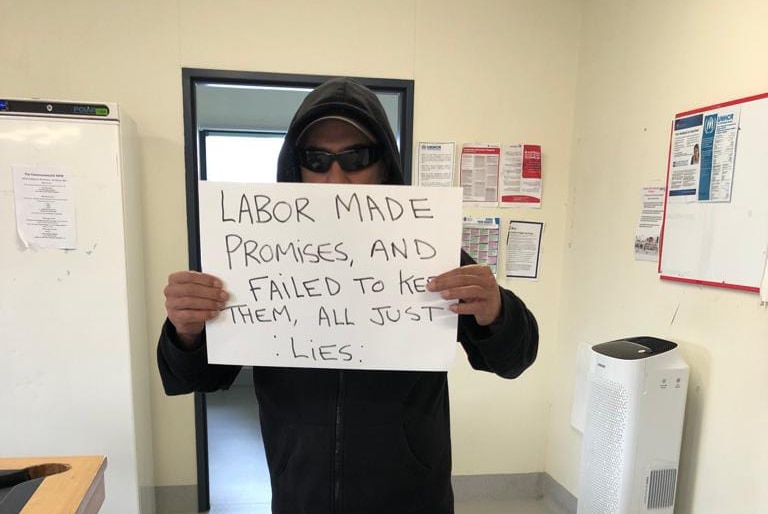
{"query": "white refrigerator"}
[(74, 371)]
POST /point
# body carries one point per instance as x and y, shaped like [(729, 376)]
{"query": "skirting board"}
[(466, 488)]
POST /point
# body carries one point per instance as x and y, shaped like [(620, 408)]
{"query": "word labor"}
[(265, 210)]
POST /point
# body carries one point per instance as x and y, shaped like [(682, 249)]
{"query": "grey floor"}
[(239, 482)]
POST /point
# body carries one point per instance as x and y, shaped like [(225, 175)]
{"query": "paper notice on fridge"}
[(520, 178), (45, 207)]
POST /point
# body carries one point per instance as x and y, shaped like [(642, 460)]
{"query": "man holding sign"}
[(345, 439)]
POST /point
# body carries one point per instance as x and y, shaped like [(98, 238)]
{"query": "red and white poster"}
[(520, 180)]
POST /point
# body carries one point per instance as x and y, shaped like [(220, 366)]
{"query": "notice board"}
[(715, 229)]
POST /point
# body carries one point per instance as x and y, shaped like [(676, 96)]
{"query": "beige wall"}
[(495, 71), (598, 97), (640, 63)]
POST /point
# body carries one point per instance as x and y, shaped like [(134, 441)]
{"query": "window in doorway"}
[(239, 156)]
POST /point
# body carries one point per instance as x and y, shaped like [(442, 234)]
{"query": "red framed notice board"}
[(715, 228)]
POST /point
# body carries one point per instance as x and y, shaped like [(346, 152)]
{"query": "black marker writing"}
[(412, 284), (388, 209), (339, 319), (377, 286), (264, 210), (243, 315), (388, 314), (289, 288), (254, 252), (320, 352), (401, 249)]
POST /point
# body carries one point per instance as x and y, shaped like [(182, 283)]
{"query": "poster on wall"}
[(649, 224), (520, 179), (435, 164), (480, 239), (524, 249), (479, 175), (702, 156)]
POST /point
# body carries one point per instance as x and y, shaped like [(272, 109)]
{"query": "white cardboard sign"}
[(330, 276)]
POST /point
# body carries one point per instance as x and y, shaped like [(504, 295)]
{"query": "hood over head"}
[(356, 104)]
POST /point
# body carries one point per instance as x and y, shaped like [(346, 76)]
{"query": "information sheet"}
[(649, 224), (331, 276), (523, 249), (436, 162), (702, 156), (480, 239), (45, 207), (520, 180), (480, 173)]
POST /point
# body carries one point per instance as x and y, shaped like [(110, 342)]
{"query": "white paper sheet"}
[(331, 276), (45, 207), (523, 249), (435, 167), (649, 224), (480, 173)]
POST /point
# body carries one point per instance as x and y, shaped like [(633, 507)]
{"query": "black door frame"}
[(192, 76)]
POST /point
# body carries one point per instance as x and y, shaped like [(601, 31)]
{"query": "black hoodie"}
[(347, 98), (357, 442)]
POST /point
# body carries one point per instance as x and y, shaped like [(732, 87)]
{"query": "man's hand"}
[(191, 299), (476, 289)]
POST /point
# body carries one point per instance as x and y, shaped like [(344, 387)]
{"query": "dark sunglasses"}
[(354, 159)]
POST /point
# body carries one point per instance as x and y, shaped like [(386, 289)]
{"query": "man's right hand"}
[(191, 299)]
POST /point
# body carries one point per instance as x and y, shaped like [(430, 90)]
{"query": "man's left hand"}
[(476, 290)]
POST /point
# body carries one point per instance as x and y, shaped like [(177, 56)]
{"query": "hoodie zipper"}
[(337, 454)]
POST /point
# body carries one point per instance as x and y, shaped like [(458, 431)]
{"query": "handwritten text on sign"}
[(330, 276)]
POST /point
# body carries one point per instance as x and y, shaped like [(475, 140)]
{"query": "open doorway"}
[(234, 125)]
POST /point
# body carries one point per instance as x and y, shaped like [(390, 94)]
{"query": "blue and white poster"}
[(702, 156)]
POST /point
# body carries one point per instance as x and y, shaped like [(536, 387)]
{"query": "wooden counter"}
[(79, 490)]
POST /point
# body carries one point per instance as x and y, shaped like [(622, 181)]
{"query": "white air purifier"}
[(636, 391)]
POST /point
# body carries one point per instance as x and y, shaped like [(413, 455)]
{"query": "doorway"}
[(234, 125)]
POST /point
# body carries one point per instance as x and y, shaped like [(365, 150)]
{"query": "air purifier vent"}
[(609, 421), (661, 488)]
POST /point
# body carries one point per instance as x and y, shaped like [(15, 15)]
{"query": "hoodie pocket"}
[(383, 474), (382, 452)]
